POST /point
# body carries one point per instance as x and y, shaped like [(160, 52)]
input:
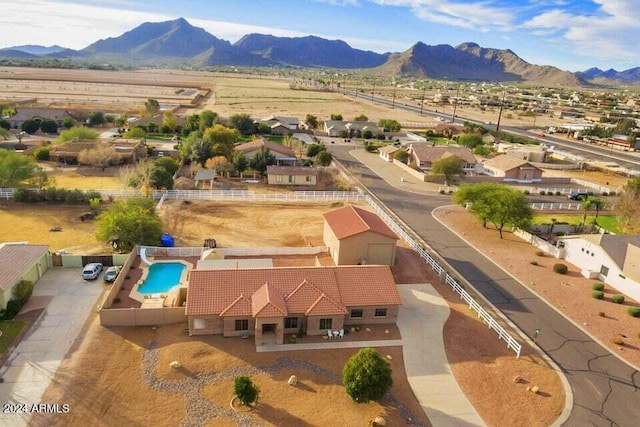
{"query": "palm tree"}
[(586, 205), (598, 204)]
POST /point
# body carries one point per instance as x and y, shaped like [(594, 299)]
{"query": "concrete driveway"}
[(33, 363)]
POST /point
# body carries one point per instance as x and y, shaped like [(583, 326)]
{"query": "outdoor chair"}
[(329, 334), (341, 335)]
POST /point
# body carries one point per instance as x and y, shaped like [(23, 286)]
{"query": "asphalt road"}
[(606, 390)]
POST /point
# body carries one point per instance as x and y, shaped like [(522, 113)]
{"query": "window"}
[(242, 325), (278, 178), (357, 313), (198, 324), (307, 178), (604, 270), (326, 323), (292, 178), (290, 322), (380, 312)]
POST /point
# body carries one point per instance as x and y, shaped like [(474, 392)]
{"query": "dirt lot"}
[(570, 293)]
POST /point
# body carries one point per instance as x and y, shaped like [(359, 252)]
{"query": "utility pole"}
[(373, 91), (424, 88), (500, 113), (455, 105), (357, 83), (393, 100)]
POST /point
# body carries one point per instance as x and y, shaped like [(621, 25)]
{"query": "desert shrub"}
[(634, 311), (560, 268), (540, 252), (42, 153), (618, 299), (246, 390), (441, 191), (597, 294), (370, 148), (597, 286), (526, 192), (534, 263), (558, 193), (604, 193), (542, 192), (602, 314), (618, 341)]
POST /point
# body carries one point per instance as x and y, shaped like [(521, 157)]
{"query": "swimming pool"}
[(162, 277)]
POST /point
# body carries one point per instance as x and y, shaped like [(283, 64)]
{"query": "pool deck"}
[(153, 300)]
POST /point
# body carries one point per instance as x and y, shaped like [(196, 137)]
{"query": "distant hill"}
[(631, 75), (310, 51), (14, 53), (37, 49), (469, 61)]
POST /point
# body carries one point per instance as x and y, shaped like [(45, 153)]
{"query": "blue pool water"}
[(162, 277)]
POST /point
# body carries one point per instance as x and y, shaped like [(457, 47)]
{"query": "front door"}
[(268, 328)]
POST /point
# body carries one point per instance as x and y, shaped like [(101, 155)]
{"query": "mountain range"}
[(178, 42)]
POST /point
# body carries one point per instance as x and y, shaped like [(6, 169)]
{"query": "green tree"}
[(130, 222), (244, 124), (79, 133), (49, 126), (336, 116), (221, 139), (401, 155), (4, 134), (367, 376), (151, 107), (448, 166), (161, 179), (263, 158), (588, 203), (314, 149), (246, 391), (201, 151), (168, 164), (30, 126), (367, 134), (4, 124), (239, 162), (324, 158), (633, 185), (208, 118), (169, 122), (471, 140), (311, 121), (135, 133), (15, 168), (41, 179), (390, 124), (96, 118), (361, 118), (68, 122)]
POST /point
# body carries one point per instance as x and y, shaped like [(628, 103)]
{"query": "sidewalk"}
[(421, 320)]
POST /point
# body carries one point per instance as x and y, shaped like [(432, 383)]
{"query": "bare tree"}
[(101, 156)]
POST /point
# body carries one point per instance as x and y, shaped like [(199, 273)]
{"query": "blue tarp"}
[(167, 240)]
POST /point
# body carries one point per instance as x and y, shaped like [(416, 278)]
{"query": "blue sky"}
[(570, 34)]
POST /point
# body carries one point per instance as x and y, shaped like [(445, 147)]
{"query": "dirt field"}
[(84, 178), (570, 293)]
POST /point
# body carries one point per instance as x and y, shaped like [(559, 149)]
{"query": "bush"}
[(370, 148), (367, 376), (618, 299), (634, 311), (604, 193), (540, 252), (526, 192), (558, 193), (534, 263), (246, 391), (597, 286), (542, 193), (441, 191), (560, 268), (597, 294), (42, 153), (13, 307)]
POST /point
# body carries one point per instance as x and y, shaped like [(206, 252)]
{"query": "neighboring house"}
[(281, 125), (424, 155), (387, 152), (157, 121), (357, 236), (270, 302), (38, 114), (129, 151), (531, 153), (292, 175), (284, 155), (350, 129), (20, 261), (449, 130), (512, 169), (613, 259)]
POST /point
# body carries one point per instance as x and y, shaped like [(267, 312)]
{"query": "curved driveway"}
[(606, 390)]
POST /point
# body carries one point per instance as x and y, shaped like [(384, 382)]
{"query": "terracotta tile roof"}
[(274, 291), (429, 154), (238, 308), (268, 302), (350, 220), (506, 163), (272, 146), (16, 259)]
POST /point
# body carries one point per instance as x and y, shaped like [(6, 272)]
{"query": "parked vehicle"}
[(91, 271), (111, 273), (578, 195)]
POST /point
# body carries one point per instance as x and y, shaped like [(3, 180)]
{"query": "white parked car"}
[(91, 271), (111, 273)]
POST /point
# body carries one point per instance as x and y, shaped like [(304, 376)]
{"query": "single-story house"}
[(387, 152), (531, 153), (613, 259), (352, 129), (449, 130), (357, 236), (512, 169), (129, 151), (284, 155), (269, 302), (20, 261), (38, 114), (292, 175), (424, 155), (280, 125)]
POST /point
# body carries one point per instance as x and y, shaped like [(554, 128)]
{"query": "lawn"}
[(608, 222), (10, 330)]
